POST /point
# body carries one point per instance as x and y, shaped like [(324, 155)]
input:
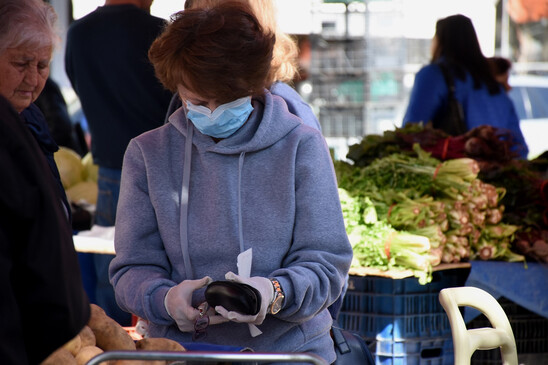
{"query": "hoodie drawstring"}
[(183, 223), (240, 232)]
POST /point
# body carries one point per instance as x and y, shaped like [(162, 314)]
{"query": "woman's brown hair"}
[(220, 53), (285, 56)]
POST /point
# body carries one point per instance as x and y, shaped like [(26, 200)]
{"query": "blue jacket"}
[(270, 186), (430, 95)]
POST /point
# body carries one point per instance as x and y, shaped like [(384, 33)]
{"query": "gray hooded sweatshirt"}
[(188, 206)]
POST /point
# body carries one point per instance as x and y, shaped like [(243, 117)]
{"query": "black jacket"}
[(43, 303), (106, 60)]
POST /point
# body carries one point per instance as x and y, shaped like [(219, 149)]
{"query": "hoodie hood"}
[(269, 122)]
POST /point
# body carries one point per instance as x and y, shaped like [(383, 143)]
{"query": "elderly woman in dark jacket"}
[(39, 272)]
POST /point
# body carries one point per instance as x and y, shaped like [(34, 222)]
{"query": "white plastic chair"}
[(467, 341)]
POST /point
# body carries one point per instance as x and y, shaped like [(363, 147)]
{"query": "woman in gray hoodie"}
[(233, 171)]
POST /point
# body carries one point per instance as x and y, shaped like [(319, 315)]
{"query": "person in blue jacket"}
[(483, 99), (233, 170)]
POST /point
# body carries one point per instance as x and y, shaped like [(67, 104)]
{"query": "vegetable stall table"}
[(97, 240), (524, 284)]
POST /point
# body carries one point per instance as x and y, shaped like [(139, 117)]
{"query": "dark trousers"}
[(105, 215)]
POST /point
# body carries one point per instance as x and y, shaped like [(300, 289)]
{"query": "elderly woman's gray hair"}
[(27, 23)]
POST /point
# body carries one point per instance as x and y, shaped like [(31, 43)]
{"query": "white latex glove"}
[(178, 303), (266, 290)]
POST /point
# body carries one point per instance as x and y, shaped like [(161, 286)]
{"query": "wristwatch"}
[(279, 297)]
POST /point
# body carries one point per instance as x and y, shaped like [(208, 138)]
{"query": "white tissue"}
[(244, 270)]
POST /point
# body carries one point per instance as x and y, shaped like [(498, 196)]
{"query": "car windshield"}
[(530, 97)]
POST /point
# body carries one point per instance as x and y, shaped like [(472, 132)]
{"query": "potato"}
[(87, 336), (61, 356), (74, 345), (109, 335), (159, 344), (87, 353)]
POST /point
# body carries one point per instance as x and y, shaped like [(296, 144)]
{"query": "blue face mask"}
[(225, 119)]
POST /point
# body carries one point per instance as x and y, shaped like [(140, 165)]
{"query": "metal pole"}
[(248, 357), (505, 31)]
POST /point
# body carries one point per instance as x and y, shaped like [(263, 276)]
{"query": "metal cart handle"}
[(207, 356)]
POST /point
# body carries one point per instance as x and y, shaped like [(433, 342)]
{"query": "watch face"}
[(277, 305)]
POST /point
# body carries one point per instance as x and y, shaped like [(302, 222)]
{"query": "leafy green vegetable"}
[(377, 244), (421, 196)]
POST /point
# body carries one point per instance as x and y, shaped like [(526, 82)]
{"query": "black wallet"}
[(233, 296)]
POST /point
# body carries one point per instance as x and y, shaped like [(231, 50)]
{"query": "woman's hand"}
[(265, 288), (178, 303)]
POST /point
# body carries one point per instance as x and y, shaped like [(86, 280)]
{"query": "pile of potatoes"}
[(102, 333)]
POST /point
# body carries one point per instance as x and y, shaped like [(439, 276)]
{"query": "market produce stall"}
[(416, 197), (424, 211)]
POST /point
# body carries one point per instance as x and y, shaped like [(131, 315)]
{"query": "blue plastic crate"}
[(428, 348), (398, 309), (396, 327), (401, 304), (382, 285), (416, 351)]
